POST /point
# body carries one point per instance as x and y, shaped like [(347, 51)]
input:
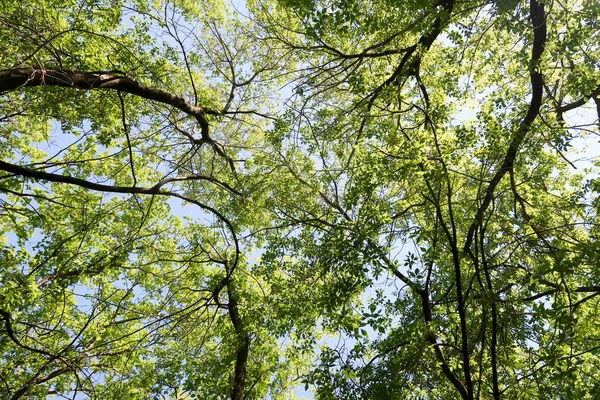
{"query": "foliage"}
[(371, 199)]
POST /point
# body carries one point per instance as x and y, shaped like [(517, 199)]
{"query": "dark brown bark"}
[(154, 190), (36, 380), (241, 360), (538, 21), (13, 79), (24, 390), (494, 339), (571, 106), (430, 336), (466, 390), (410, 65), (11, 334)]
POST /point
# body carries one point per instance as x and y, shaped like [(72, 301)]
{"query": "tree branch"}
[(538, 21), (38, 380), (11, 334), (16, 78), (154, 190), (243, 337), (571, 106)]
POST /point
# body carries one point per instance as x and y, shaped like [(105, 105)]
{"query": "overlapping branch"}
[(13, 79), (538, 20)]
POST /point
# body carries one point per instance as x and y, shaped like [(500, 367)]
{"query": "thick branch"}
[(538, 20), (243, 337), (39, 380), (11, 334), (571, 106), (154, 190), (13, 79), (431, 338), (428, 317), (47, 176), (410, 67), (558, 288)]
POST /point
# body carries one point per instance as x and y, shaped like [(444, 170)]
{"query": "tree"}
[(375, 199)]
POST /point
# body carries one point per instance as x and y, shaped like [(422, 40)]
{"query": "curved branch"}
[(24, 390), (410, 67), (430, 336), (154, 190), (538, 21), (571, 106), (48, 176), (12, 79), (11, 334), (243, 348)]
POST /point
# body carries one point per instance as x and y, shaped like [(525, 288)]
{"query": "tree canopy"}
[(366, 199)]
